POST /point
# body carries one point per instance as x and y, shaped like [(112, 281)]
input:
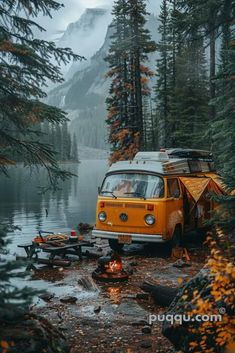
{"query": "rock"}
[(131, 309), (97, 309), (179, 335), (146, 344), (68, 299), (181, 264), (33, 334), (140, 323), (88, 283), (46, 296), (146, 330)]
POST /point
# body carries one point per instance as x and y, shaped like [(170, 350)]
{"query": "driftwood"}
[(162, 295)]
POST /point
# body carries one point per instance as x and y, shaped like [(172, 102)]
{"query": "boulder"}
[(177, 332), (33, 334)]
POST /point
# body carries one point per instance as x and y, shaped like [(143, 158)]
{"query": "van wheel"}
[(176, 240), (115, 245)]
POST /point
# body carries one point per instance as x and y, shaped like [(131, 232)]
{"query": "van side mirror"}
[(99, 189)]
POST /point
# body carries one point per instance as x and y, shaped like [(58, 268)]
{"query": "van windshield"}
[(133, 185)]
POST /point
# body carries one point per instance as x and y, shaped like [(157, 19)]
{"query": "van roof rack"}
[(169, 162), (190, 154)]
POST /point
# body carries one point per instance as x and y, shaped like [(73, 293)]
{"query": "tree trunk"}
[(212, 70)]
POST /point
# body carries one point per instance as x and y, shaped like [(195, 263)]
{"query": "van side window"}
[(173, 189)]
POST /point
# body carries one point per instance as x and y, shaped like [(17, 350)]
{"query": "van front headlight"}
[(102, 216), (149, 219)]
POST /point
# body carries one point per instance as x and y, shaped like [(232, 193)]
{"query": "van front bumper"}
[(140, 238)]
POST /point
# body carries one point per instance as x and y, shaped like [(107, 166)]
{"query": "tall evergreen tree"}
[(182, 83), (206, 17), (189, 103), (25, 67), (163, 89), (127, 55), (24, 70), (74, 149), (223, 129)]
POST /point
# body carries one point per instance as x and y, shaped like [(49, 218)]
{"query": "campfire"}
[(110, 269)]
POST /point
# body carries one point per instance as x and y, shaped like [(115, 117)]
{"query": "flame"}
[(114, 266)]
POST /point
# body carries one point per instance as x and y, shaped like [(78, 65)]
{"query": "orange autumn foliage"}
[(5, 346), (213, 334), (129, 150)]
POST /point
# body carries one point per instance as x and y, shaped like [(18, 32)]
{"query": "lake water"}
[(22, 204)]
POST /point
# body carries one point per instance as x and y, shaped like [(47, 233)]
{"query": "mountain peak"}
[(86, 22)]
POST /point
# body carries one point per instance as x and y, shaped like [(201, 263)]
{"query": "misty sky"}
[(73, 10)]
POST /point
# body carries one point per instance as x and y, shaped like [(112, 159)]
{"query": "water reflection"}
[(22, 204)]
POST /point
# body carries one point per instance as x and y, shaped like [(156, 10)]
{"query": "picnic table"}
[(54, 248)]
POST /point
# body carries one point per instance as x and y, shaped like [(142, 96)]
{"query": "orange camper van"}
[(156, 197)]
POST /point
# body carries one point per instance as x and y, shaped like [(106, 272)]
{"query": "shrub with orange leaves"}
[(206, 304), (5, 346), (216, 336)]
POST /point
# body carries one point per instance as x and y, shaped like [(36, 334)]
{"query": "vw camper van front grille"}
[(113, 204), (124, 205), (134, 205)]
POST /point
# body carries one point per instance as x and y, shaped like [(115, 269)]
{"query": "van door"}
[(174, 206)]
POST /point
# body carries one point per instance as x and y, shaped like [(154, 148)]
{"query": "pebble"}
[(146, 329), (139, 323), (146, 344), (97, 309), (46, 296), (68, 299)]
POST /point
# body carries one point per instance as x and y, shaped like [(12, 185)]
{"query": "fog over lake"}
[(22, 204)]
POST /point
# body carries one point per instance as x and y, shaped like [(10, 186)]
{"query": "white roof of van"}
[(145, 166)]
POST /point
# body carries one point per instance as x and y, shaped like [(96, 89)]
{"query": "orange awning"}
[(217, 180), (195, 186)]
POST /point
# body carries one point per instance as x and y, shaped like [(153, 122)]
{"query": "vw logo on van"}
[(123, 217)]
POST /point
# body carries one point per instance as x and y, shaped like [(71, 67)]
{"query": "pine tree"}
[(140, 45), (206, 17), (25, 67), (223, 128), (127, 54), (189, 103), (163, 89), (65, 143), (182, 83), (74, 149)]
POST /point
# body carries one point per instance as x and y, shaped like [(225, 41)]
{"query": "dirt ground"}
[(108, 318)]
